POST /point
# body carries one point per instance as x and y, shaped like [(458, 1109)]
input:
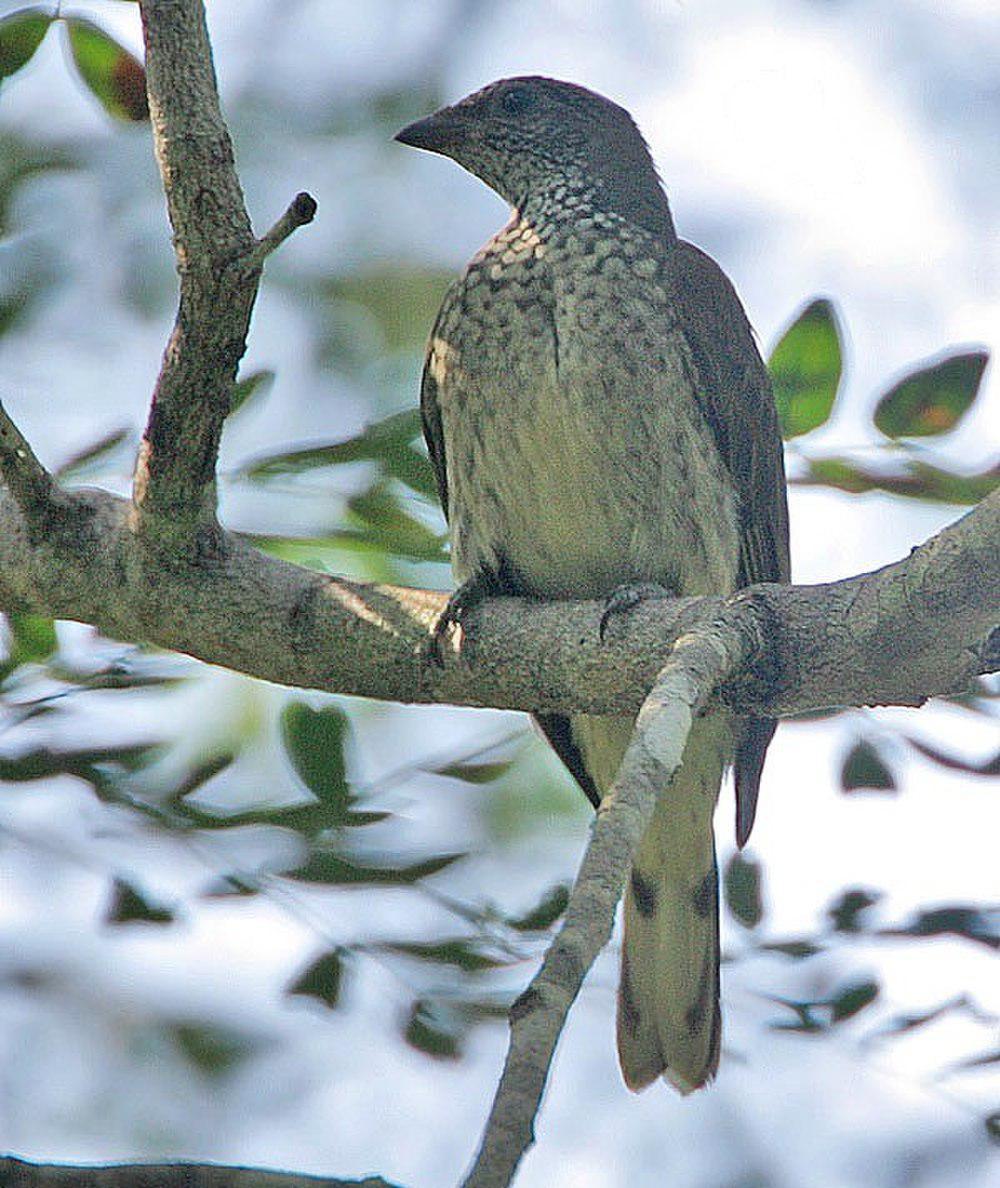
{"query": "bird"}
[(601, 426)]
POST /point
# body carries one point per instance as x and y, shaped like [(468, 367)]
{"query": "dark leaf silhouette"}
[(322, 979)]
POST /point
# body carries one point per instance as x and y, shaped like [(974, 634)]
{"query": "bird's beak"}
[(437, 133)]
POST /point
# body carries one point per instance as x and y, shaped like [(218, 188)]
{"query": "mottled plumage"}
[(598, 415)]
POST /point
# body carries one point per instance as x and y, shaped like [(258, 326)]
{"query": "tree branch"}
[(20, 1173), (701, 660), (219, 262), (915, 629)]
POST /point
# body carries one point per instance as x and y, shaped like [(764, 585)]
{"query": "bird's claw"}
[(626, 597)]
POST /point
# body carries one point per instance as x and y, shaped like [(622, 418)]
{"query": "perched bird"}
[(600, 421)]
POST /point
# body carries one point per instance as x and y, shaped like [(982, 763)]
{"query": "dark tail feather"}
[(754, 739)]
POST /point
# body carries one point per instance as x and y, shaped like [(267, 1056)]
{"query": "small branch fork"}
[(701, 661), (219, 262)]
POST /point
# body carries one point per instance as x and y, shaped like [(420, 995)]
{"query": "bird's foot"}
[(626, 597), (468, 596)]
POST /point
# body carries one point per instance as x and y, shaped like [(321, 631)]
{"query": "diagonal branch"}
[(701, 661)]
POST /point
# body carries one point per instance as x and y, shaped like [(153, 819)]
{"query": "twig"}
[(700, 662), (301, 210)]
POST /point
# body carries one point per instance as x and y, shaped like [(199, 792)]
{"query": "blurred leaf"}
[(89, 460), (380, 514), (322, 979), (314, 740), (903, 1024), (851, 999), (846, 910), (977, 924), (324, 866), (984, 767), (129, 905), (863, 767), (805, 1021), (932, 399), (475, 773), (972, 1062), (32, 640), (95, 765), (212, 1049), (402, 301), (464, 954), (114, 77), (798, 950), (918, 480), (433, 1029), (19, 160), (992, 1124), (545, 913), (805, 369), (742, 884), (387, 441), (21, 33), (256, 385)]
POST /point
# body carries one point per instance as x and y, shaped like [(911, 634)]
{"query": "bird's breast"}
[(577, 457)]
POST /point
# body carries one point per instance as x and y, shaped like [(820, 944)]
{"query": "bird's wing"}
[(734, 391), (430, 415)]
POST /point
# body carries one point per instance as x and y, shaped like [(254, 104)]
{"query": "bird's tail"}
[(668, 998)]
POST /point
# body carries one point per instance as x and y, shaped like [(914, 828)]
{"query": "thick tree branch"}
[(219, 262), (700, 661), (913, 630)]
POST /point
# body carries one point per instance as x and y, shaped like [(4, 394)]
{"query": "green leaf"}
[(21, 33), (545, 913), (845, 912), (988, 767), (932, 399), (335, 869), (742, 882), (383, 522), (32, 640), (851, 999), (917, 480), (463, 953), (128, 905), (322, 979), (992, 1124), (805, 369), (972, 923), (798, 950), (212, 1049), (806, 1020), (402, 302), (314, 740), (475, 773), (114, 77), (863, 767), (254, 386), (88, 461), (386, 442), (433, 1029)]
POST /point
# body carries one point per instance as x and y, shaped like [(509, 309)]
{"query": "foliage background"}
[(159, 903)]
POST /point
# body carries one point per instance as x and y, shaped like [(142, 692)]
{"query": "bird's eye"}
[(516, 100)]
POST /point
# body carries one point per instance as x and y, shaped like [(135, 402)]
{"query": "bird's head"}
[(532, 136)]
